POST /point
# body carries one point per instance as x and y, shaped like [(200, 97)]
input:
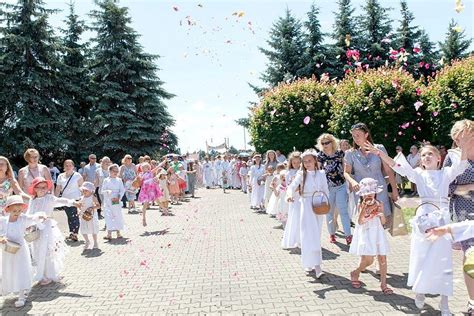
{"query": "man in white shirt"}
[(279, 157)]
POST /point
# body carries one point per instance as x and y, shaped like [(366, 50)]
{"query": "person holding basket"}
[(313, 190), (430, 269)]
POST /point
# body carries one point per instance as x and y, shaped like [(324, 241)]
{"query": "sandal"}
[(356, 284), (108, 237), (386, 290)]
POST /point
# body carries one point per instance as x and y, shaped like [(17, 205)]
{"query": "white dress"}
[(273, 203), (291, 236), (282, 204), (17, 269), (310, 224), (92, 226), (430, 270), (256, 198), (268, 189), (369, 239), (113, 188), (49, 250), (207, 174)]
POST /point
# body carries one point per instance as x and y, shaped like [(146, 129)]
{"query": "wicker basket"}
[(12, 247), (32, 234), (88, 214), (323, 207)]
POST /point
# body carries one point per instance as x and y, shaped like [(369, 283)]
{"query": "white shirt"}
[(72, 190)]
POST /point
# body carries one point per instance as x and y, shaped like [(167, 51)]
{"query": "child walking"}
[(173, 185), (243, 172), (280, 192), (308, 181), (291, 236), (49, 250), (113, 191), (16, 267), (269, 175), (369, 238), (430, 270), (150, 191), (165, 197), (89, 206)]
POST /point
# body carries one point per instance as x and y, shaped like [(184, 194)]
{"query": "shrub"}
[(278, 121), (386, 99), (450, 97)]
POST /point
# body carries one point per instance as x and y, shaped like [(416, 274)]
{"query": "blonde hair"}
[(29, 152), (9, 174), (327, 136), (312, 153), (460, 126), (127, 156), (293, 155), (433, 149), (68, 160)]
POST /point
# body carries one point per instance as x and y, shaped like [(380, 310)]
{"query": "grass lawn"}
[(408, 213)]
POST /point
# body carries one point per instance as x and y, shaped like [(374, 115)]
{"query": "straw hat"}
[(15, 200), (36, 181), (88, 186), (369, 186)]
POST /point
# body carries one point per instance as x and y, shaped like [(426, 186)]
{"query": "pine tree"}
[(375, 28), (428, 49), (455, 45), (286, 56), (345, 36), (407, 35), (29, 67), (315, 51), (129, 113), (77, 85)]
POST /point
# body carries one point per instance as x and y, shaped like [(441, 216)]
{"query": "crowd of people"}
[(357, 182)]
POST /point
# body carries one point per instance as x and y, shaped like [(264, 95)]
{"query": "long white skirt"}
[(273, 205), (256, 198), (431, 264), (291, 236), (89, 227), (17, 270), (49, 252), (310, 230), (113, 217)]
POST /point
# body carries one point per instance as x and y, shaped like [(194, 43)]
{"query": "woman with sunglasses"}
[(360, 163), (331, 161), (32, 170)]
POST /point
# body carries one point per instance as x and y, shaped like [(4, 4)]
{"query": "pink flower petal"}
[(435, 113), (418, 104), (306, 120)]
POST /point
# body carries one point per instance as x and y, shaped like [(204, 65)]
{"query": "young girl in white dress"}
[(113, 191), (268, 184), (291, 236), (430, 270), (90, 204), (369, 239), (274, 203), (282, 204), (16, 267), (256, 186), (49, 250), (308, 181)]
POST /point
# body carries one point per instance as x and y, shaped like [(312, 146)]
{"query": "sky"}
[(209, 52)]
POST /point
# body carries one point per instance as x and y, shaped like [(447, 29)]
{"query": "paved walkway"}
[(216, 255)]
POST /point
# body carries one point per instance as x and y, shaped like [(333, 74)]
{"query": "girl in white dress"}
[(49, 250), (256, 186), (282, 208), (17, 272), (291, 236), (274, 203), (113, 191), (165, 198), (369, 239), (430, 270), (308, 181), (90, 204), (268, 184)]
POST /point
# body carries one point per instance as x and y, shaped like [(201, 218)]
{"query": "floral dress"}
[(150, 191), (129, 175), (6, 190)]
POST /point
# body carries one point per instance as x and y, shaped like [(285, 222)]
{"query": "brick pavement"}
[(217, 256)]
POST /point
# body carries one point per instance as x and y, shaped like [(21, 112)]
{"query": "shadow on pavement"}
[(155, 233), (92, 253)]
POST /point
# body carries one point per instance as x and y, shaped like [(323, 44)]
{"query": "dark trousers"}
[(97, 195), (72, 219)]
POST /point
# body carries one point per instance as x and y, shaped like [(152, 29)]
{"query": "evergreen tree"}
[(375, 28), (428, 49), (407, 34), (315, 50), (455, 45), (77, 84), (345, 36), (129, 113), (286, 54), (34, 115)]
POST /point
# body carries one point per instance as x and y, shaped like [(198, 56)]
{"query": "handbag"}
[(321, 207), (429, 220), (61, 193), (398, 225), (87, 215)]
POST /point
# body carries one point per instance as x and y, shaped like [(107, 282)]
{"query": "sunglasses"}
[(326, 143)]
